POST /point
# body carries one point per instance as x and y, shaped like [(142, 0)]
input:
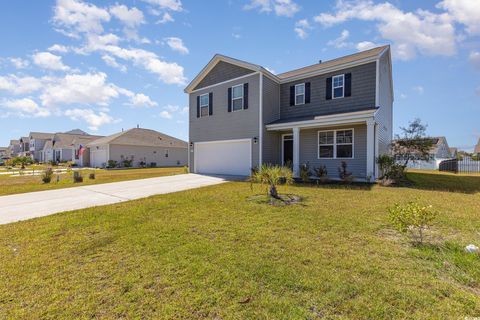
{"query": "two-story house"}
[(37, 142), (242, 115)]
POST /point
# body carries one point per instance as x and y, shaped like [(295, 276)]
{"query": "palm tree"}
[(272, 175)]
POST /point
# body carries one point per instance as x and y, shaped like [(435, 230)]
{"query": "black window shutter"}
[(292, 95), (307, 92), (229, 99), (198, 106), (348, 84), (210, 103), (245, 96), (328, 90)]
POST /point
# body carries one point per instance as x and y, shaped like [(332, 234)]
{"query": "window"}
[(338, 86), (300, 94), (204, 105), (166, 153), (335, 144), (237, 97)]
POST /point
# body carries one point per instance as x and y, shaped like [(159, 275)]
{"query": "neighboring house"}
[(141, 146), (453, 152), (65, 147), (37, 142), (14, 148), (242, 115), (439, 152), (24, 147), (476, 150), (4, 153)]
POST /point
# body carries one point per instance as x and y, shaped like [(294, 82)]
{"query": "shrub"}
[(47, 175), (127, 163), (344, 174), (77, 177), (185, 169), (22, 161), (321, 173), (91, 176), (142, 164), (412, 218), (272, 176), (111, 164), (392, 172), (305, 172)]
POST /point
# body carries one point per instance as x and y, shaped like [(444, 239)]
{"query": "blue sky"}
[(106, 65)]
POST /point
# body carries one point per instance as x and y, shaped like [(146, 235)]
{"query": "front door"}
[(287, 149)]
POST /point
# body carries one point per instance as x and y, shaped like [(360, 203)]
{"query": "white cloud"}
[(20, 85), (285, 8), (77, 16), (46, 60), (141, 100), (474, 59), (167, 17), (113, 63), (236, 35), (132, 18), (365, 45), (411, 32), (173, 5), (466, 12), (19, 63), (165, 114), (403, 96), (418, 89), (25, 107), (58, 48), (184, 110), (271, 70), (340, 42), (94, 120), (176, 44), (301, 27)]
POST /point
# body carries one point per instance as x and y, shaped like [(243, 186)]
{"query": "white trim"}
[(377, 83), (225, 82), (299, 94), (283, 141), (343, 86), (260, 122), (200, 104), (195, 157), (335, 144), (296, 151), (242, 97), (344, 118), (370, 148)]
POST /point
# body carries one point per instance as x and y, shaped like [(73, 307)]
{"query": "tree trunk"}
[(273, 191)]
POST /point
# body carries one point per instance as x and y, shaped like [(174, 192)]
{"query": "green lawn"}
[(21, 184), (211, 253)]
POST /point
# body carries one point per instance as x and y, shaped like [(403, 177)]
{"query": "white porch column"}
[(296, 151), (371, 149)]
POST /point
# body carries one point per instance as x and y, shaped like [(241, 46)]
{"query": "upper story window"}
[(300, 94), (335, 144), (237, 97), (204, 104), (338, 87)]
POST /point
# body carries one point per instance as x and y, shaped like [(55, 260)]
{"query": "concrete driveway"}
[(43, 203)]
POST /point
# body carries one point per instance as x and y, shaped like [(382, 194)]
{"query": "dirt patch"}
[(283, 199)]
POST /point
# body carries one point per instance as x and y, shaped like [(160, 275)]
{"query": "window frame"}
[(300, 94), (335, 144), (166, 153), (204, 106), (242, 97), (342, 86)]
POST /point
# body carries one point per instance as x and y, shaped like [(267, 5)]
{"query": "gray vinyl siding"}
[(223, 71), (363, 94), (224, 125), (357, 165), (176, 156), (385, 112), (271, 112)]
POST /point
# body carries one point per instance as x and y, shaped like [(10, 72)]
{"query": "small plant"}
[(91, 176), (47, 175), (22, 161), (344, 174), (321, 173), (391, 172), (413, 219), (272, 176), (185, 169), (127, 163), (305, 172), (142, 164), (77, 177), (111, 164)]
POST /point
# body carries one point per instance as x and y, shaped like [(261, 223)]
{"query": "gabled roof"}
[(66, 140), (140, 137), (24, 139), (77, 131), (318, 68), (14, 142), (41, 135)]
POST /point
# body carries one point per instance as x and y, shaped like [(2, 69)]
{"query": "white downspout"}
[(260, 123)]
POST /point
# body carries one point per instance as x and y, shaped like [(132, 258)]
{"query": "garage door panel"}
[(224, 157), (98, 158)]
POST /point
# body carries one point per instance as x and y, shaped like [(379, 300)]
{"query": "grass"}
[(21, 184), (211, 253)]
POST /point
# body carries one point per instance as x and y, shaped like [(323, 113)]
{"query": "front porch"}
[(328, 141)]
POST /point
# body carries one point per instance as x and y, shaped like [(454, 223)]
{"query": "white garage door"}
[(231, 157), (98, 158)]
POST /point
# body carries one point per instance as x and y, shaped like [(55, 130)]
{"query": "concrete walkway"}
[(43, 203)]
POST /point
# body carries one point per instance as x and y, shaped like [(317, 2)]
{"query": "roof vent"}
[(319, 61)]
